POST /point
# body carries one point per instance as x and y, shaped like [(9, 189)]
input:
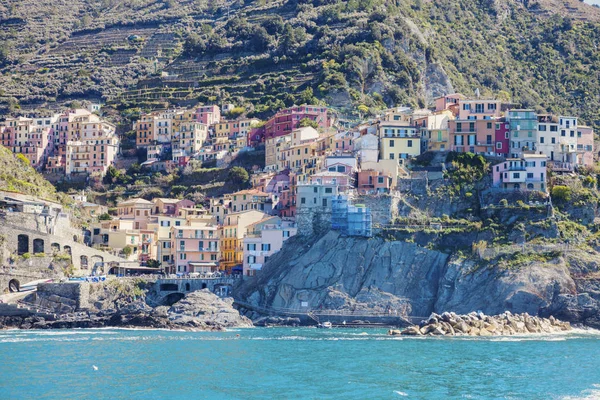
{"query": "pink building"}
[(371, 181), (256, 136), (502, 137), (170, 207), (21, 136), (585, 146), (262, 240), (444, 102), (344, 141), (527, 173), (195, 248), (286, 120), (208, 115)]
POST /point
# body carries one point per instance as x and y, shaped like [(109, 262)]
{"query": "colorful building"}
[(263, 239), (526, 173)]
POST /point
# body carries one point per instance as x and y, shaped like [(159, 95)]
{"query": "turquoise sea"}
[(290, 363)]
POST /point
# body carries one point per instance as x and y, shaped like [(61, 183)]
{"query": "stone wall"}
[(384, 207), (33, 229), (313, 221)]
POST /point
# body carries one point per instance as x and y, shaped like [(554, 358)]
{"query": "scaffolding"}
[(351, 220), (339, 213), (359, 221)]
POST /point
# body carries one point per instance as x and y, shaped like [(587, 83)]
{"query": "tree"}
[(127, 251), (104, 217), (308, 122), (112, 175), (153, 264), (561, 194), (363, 109), (307, 96), (238, 177)]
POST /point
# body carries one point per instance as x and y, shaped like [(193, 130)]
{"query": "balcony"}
[(517, 168)]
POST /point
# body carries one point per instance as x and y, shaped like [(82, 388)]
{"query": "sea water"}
[(294, 363)]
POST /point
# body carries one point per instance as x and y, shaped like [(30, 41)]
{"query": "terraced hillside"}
[(269, 54), (17, 175)]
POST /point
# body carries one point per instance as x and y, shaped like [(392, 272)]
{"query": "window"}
[(553, 140), (251, 259), (302, 200), (530, 175), (489, 125), (466, 107), (391, 156), (542, 128), (491, 106), (183, 256), (478, 108), (341, 168), (380, 179), (266, 247), (459, 127), (328, 190), (541, 139), (516, 175), (499, 145), (553, 128), (563, 132), (324, 202), (286, 234), (391, 143), (251, 246), (409, 143)]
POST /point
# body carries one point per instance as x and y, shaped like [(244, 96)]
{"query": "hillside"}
[(17, 175), (270, 54)]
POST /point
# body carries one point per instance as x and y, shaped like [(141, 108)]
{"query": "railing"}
[(312, 313)]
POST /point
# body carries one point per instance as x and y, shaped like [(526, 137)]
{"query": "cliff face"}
[(350, 272)]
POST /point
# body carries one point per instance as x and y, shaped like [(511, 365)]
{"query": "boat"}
[(325, 325)]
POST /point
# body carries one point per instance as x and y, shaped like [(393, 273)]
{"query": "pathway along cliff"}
[(351, 273)]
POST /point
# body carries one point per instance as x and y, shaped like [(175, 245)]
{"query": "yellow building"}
[(232, 235), (398, 140)]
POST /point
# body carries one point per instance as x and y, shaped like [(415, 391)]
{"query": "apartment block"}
[(263, 239)]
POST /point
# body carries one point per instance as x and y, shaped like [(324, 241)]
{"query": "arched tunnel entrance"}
[(14, 285), (173, 298)]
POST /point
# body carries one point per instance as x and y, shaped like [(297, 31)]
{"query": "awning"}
[(202, 264)]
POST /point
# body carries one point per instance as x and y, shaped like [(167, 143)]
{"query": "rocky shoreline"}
[(479, 324), (197, 311)]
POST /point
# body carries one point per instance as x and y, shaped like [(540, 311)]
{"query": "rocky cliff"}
[(338, 272)]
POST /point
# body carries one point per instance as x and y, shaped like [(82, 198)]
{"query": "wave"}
[(587, 394), (399, 393)]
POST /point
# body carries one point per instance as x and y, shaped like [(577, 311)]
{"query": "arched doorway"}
[(187, 287), (14, 285), (67, 249), (173, 298), (22, 244), (55, 247), (38, 246)]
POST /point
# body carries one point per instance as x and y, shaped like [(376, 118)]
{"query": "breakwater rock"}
[(478, 324)]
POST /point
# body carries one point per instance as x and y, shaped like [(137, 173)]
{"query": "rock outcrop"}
[(347, 272), (201, 310), (479, 324)]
